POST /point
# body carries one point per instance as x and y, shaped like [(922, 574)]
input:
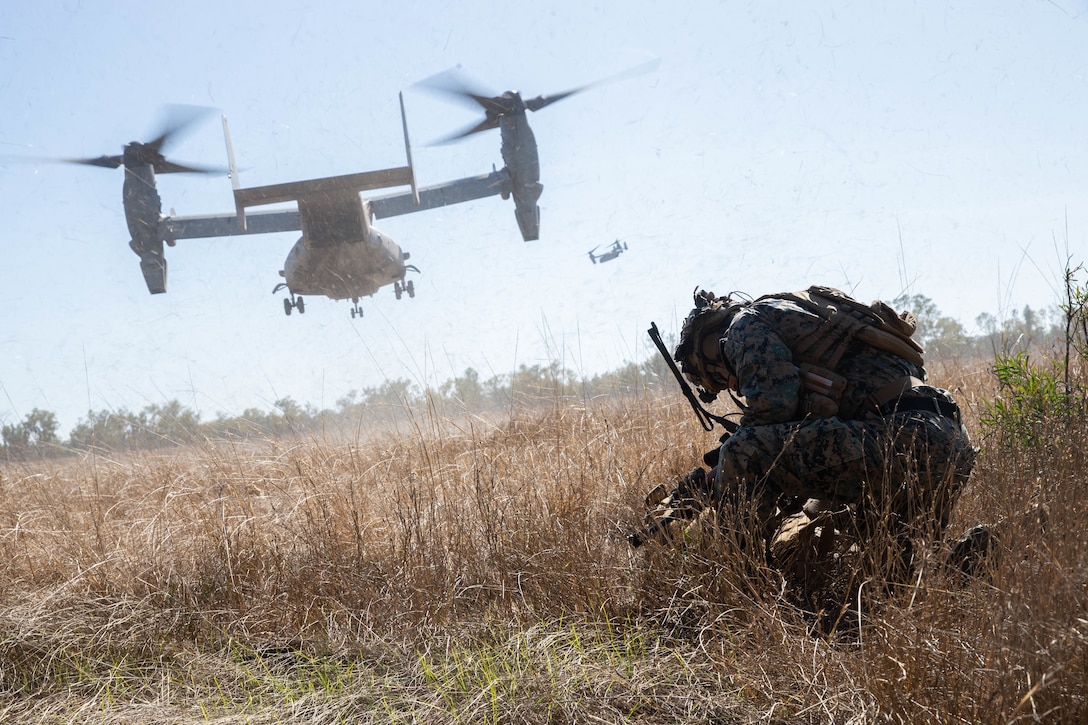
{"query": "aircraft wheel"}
[(301, 306), (397, 289), (411, 289), (286, 306)]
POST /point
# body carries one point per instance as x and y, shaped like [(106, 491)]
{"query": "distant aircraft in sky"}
[(614, 251)]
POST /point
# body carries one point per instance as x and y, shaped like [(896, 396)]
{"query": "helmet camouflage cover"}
[(697, 350)]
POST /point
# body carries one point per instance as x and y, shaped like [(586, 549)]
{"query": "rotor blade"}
[(106, 162), (112, 162), (177, 118), (169, 167), (484, 125), (450, 84), (509, 103), (535, 104)]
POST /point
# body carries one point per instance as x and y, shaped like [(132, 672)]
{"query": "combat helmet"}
[(697, 350)]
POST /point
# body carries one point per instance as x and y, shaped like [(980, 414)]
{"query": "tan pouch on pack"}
[(822, 391)]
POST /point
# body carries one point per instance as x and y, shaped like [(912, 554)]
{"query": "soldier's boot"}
[(976, 549), (804, 544), (971, 551)]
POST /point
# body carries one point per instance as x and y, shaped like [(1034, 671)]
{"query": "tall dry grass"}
[(468, 570)]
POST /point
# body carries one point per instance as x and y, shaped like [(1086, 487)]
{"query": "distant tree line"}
[(944, 337), (173, 424)]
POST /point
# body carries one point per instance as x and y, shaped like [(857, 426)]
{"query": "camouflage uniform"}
[(910, 456)]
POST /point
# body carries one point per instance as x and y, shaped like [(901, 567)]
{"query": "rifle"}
[(689, 496), (706, 418)]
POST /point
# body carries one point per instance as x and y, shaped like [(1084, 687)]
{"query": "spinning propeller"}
[(510, 103), (143, 206), (178, 119)]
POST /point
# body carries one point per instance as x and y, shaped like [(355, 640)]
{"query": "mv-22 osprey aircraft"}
[(340, 254)]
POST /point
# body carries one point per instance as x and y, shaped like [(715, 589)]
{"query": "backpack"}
[(845, 318)]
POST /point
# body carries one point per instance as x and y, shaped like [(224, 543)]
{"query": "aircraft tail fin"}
[(408, 151), (235, 183)]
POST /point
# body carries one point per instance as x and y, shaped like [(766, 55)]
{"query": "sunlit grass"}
[(470, 569)]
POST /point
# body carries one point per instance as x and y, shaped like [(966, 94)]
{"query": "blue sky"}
[(937, 148)]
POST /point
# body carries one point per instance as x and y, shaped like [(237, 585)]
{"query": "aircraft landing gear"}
[(356, 310), (400, 288), (296, 302)]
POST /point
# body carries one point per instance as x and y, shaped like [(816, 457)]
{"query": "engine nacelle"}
[(153, 266), (528, 221)]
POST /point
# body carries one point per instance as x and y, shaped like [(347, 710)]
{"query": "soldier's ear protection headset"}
[(698, 352)]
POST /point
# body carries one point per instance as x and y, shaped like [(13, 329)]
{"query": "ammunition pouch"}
[(821, 391), (814, 405)]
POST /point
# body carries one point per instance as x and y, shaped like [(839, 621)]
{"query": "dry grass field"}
[(465, 570)]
